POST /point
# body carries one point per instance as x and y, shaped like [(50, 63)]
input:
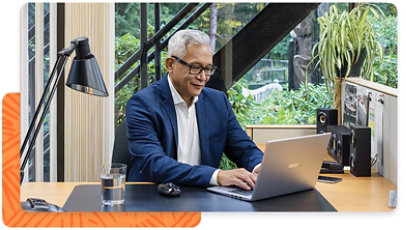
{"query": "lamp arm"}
[(41, 120), (65, 53), (73, 45), (68, 51), (40, 104)]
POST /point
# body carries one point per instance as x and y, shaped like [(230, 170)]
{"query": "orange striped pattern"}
[(14, 216)]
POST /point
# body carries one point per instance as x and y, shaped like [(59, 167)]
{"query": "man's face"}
[(189, 85)]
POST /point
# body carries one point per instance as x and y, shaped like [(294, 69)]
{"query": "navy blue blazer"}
[(153, 137)]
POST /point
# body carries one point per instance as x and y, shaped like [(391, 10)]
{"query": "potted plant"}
[(347, 45)]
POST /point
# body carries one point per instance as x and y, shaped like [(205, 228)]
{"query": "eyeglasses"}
[(196, 69)]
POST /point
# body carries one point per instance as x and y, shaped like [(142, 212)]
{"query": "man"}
[(178, 130)]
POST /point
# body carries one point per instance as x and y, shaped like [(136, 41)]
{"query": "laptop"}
[(288, 166)]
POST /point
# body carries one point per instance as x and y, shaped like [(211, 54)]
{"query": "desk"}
[(145, 198), (351, 194), (358, 193)]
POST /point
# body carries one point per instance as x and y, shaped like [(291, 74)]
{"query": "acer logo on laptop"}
[(293, 165)]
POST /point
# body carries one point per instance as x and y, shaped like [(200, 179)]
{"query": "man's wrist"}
[(255, 168), (214, 177)]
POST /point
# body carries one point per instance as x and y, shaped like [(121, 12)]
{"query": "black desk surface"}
[(147, 198)]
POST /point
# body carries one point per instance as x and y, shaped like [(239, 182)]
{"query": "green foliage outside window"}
[(126, 46), (386, 69), (289, 107), (243, 107), (292, 107)]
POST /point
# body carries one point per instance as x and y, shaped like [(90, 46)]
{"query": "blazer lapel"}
[(169, 107), (202, 123)]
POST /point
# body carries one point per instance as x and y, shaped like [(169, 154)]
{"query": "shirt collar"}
[(177, 99)]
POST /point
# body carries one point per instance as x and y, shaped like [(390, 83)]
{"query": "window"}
[(276, 82), (38, 75)]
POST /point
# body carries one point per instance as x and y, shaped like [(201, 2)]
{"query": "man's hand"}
[(237, 177)]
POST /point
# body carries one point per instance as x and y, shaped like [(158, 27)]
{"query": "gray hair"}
[(178, 42)]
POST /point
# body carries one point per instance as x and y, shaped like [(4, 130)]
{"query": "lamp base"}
[(39, 205)]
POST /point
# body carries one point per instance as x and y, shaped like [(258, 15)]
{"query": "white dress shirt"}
[(188, 131), (188, 151)]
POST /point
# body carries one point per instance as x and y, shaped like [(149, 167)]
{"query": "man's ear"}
[(169, 62)]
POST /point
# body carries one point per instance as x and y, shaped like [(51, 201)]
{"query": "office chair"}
[(121, 154)]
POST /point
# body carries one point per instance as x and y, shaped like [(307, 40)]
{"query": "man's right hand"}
[(237, 177)]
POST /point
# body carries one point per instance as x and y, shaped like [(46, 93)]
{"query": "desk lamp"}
[(84, 76)]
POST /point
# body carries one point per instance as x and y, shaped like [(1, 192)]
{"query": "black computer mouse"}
[(169, 189), (39, 205)]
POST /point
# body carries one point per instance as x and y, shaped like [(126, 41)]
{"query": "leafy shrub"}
[(386, 69), (292, 107), (242, 106), (125, 46)]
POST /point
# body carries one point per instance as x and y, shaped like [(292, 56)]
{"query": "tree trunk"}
[(213, 26)]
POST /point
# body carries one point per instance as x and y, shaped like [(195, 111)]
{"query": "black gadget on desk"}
[(326, 119), (332, 167), (169, 189), (39, 205), (329, 179)]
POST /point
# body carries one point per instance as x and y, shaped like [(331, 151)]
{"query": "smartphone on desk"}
[(328, 179)]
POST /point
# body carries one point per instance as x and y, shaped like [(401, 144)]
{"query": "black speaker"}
[(339, 145), (360, 151), (325, 118)]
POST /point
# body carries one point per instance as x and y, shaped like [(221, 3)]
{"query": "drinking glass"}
[(113, 183)]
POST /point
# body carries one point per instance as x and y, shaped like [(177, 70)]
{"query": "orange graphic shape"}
[(14, 216)]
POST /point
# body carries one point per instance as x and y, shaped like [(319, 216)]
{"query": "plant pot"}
[(356, 67)]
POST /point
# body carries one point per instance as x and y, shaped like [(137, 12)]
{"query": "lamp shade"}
[(84, 74)]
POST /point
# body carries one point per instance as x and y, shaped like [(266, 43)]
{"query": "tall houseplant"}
[(347, 45)]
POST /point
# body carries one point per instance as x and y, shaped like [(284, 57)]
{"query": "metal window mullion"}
[(24, 80), (39, 86), (144, 48), (110, 81), (157, 52), (53, 109), (60, 43)]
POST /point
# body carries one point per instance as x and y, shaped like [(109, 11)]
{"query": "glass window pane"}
[(31, 80)]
